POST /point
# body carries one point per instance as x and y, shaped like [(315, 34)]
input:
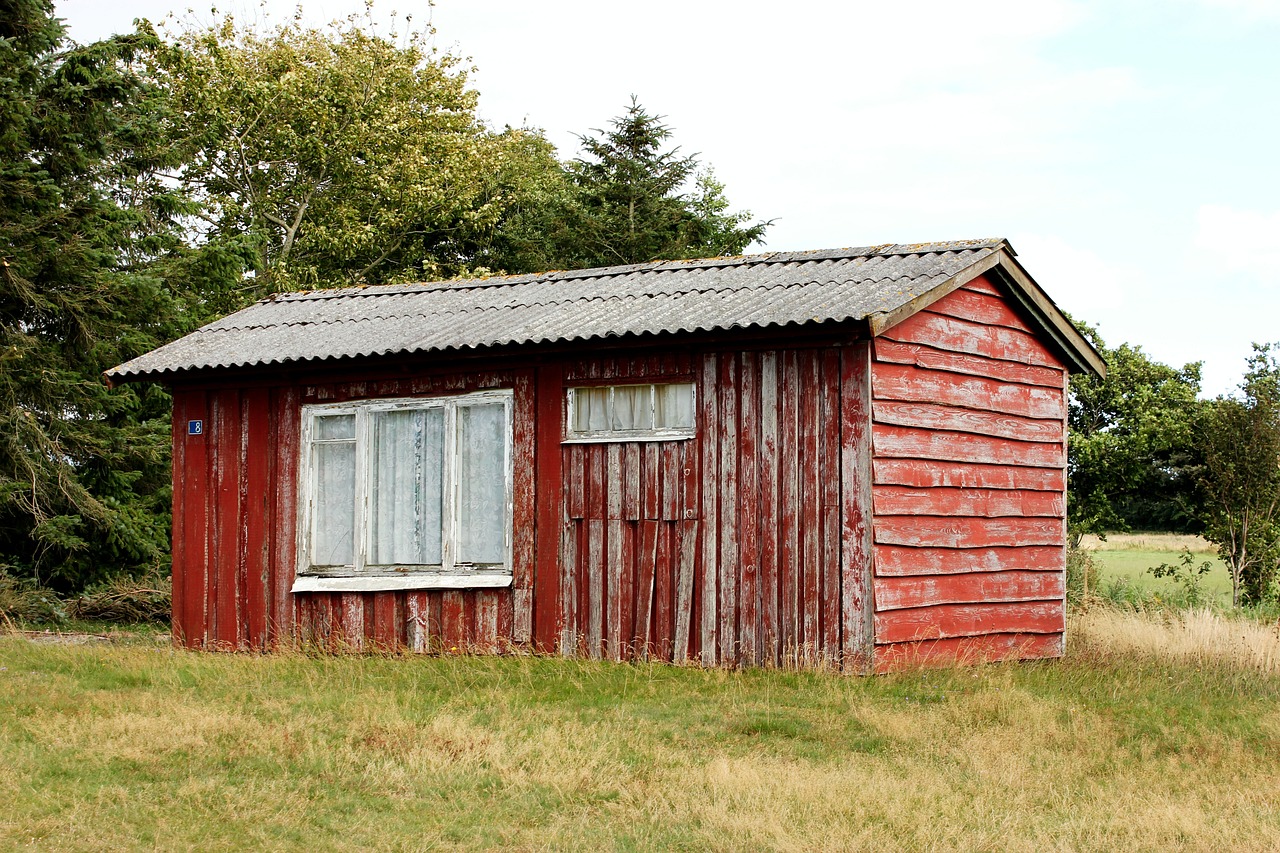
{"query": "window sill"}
[(626, 437), (390, 583)]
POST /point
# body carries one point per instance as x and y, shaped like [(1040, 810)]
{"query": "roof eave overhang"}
[(1072, 347)]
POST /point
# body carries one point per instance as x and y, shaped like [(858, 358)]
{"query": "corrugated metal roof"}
[(775, 289)]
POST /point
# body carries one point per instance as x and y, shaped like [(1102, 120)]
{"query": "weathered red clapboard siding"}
[(894, 593), (980, 649), (909, 472), (968, 411), (914, 560), (727, 547), (968, 620), (235, 523), (982, 503)]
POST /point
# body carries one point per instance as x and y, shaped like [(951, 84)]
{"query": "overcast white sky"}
[(1127, 148)]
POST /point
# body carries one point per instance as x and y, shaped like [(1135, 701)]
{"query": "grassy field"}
[(1124, 560), (1154, 733)]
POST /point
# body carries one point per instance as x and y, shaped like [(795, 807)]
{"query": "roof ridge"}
[(847, 253)]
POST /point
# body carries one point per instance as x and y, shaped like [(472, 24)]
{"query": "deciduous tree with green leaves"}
[(337, 155), (1239, 438), (1131, 444)]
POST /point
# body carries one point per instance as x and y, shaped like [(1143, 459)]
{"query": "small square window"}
[(649, 412)]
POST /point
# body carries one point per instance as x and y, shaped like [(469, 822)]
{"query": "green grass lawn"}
[(128, 744)]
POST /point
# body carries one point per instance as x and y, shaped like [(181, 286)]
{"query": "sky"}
[(1127, 149)]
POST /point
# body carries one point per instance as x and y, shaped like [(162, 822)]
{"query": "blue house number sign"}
[(195, 427)]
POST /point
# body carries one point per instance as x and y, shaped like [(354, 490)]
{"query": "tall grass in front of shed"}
[(1137, 739)]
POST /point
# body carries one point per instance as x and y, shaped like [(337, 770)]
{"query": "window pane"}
[(633, 407), (482, 483), (335, 426), (335, 504), (405, 487), (590, 409), (675, 406)]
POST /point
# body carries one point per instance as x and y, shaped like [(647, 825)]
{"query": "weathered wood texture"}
[(731, 547), (235, 525), (969, 443)]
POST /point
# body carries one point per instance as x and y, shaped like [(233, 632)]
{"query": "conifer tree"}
[(83, 473)]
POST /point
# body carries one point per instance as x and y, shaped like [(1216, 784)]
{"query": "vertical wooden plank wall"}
[(235, 521), (724, 548), (969, 428)]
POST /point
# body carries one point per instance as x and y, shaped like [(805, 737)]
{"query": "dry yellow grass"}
[(1130, 743), (1198, 637)]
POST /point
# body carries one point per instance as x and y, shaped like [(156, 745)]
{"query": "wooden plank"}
[(646, 581), (685, 565), (389, 609), (966, 620), (986, 503), (664, 592), (530, 464), (770, 635), (728, 530), (626, 548), (597, 466), (708, 445), (229, 602), (938, 532), (486, 632), (975, 365), (595, 571), (894, 593), (898, 560), (614, 630), (930, 416), (980, 308), (956, 335), (522, 609), (183, 510), (906, 383), (810, 509), (613, 627), (671, 481), (911, 472), (575, 486), (748, 501), (903, 442), (454, 636), (651, 480), (789, 511), (418, 629), (255, 495), (982, 284), (856, 548), (350, 613), (830, 537), (567, 604), (613, 479), (967, 650), (286, 414), (631, 462)]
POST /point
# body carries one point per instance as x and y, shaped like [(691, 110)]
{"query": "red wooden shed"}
[(850, 458)]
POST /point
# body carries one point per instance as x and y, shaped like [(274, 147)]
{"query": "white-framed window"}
[(405, 494), (647, 412)]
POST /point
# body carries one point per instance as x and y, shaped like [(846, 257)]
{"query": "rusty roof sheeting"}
[(775, 289)]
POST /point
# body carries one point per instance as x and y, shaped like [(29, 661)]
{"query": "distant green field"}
[(1126, 559)]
